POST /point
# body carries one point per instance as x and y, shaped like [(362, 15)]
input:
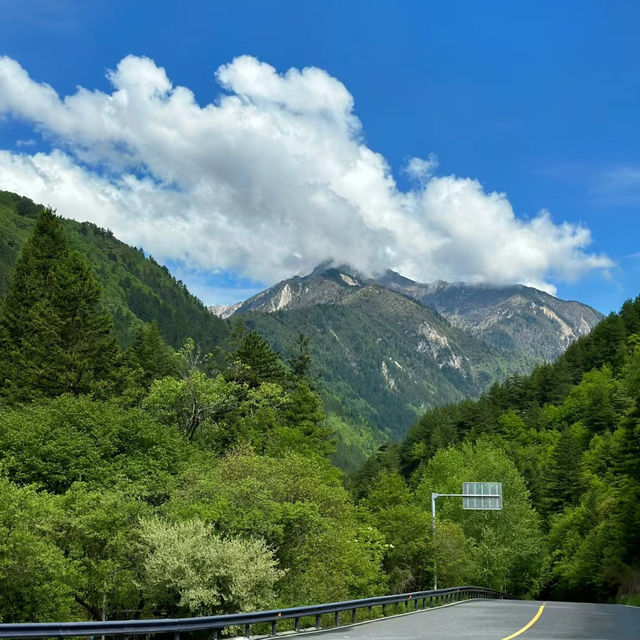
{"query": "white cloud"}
[(420, 169), (270, 180)]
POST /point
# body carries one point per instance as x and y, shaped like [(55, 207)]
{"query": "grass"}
[(631, 600)]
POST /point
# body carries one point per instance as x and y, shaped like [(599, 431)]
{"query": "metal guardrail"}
[(217, 624)]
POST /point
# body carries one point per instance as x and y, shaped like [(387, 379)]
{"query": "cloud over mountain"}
[(271, 179)]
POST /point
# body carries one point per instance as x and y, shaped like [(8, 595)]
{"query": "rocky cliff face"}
[(514, 318)]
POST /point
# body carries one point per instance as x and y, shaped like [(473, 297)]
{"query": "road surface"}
[(501, 620)]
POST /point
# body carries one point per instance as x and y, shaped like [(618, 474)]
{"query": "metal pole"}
[(433, 536), (433, 522)]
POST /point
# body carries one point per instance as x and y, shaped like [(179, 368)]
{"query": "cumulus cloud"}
[(271, 179)]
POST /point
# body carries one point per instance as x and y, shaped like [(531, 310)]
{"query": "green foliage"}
[(191, 570), (54, 338), (192, 402), (149, 358), (104, 445), (509, 550), (35, 575), (136, 289), (407, 532), (98, 532), (300, 361), (299, 507), (72, 440), (254, 361)]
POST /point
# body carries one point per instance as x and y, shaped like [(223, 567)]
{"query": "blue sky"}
[(538, 101)]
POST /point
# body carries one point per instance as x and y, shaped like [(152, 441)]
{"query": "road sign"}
[(482, 496)]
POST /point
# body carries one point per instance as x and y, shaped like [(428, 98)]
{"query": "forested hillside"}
[(572, 430), (148, 482), (136, 288), (380, 360), (388, 348)]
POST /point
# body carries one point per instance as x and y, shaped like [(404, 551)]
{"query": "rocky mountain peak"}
[(514, 317)]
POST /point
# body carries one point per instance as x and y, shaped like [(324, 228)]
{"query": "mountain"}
[(383, 355), (136, 288), (385, 349), (381, 358), (515, 318)]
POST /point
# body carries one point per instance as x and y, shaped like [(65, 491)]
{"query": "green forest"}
[(135, 288), (144, 476)]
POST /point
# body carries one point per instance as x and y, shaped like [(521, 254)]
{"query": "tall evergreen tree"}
[(254, 361), (152, 355), (563, 484), (300, 361), (54, 339)]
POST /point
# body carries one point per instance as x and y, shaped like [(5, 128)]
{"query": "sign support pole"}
[(433, 536), (434, 497)]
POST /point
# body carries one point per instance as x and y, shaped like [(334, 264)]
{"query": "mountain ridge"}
[(497, 314)]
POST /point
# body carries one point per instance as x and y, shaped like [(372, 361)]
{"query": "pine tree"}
[(563, 483), (306, 414), (300, 361), (152, 355), (53, 338), (30, 280), (254, 361)]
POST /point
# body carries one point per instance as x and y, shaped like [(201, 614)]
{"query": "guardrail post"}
[(318, 622), (297, 623), (216, 634), (353, 615), (176, 635), (336, 619), (274, 628), (247, 630)]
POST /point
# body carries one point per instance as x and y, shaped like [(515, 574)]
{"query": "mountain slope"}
[(136, 289), (381, 357), (387, 348), (516, 318)]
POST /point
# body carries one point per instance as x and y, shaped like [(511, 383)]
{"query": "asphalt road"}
[(499, 620)]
